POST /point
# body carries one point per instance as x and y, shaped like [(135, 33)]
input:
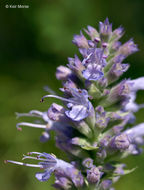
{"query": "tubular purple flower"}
[(95, 56), (128, 48), (79, 105), (75, 64), (48, 162), (116, 71), (93, 72), (119, 94), (118, 33), (63, 73), (92, 32), (105, 29), (80, 41), (116, 45), (94, 64)]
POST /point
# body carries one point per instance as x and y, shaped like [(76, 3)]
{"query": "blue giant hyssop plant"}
[(94, 125)]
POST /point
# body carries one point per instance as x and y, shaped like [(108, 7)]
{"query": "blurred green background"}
[(33, 42)]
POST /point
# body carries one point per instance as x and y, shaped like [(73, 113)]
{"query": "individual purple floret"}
[(63, 73), (51, 164), (80, 41), (94, 63), (79, 105), (105, 30), (88, 163), (93, 175)]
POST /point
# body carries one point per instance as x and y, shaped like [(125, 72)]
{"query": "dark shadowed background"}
[(33, 42)]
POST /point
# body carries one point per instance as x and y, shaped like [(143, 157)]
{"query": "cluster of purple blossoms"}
[(93, 126)]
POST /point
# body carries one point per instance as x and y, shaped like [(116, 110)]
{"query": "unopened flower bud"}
[(106, 184), (120, 142), (116, 71), (128, 48), (62, 73), (80, 41), (117, 33), (88, 163), (105, 30), (92, 32), (119, 94), (93, 175)]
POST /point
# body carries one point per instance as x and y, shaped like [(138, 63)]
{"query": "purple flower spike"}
[(91, 125)]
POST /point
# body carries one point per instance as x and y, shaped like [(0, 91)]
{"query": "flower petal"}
[(43, 176), (77, 113)]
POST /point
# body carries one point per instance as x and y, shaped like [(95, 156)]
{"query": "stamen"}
[(30, 153), (34, 158), (31, 125), (32, 113), (36, 112), (23, 164), (57, 97), (49, 90)]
